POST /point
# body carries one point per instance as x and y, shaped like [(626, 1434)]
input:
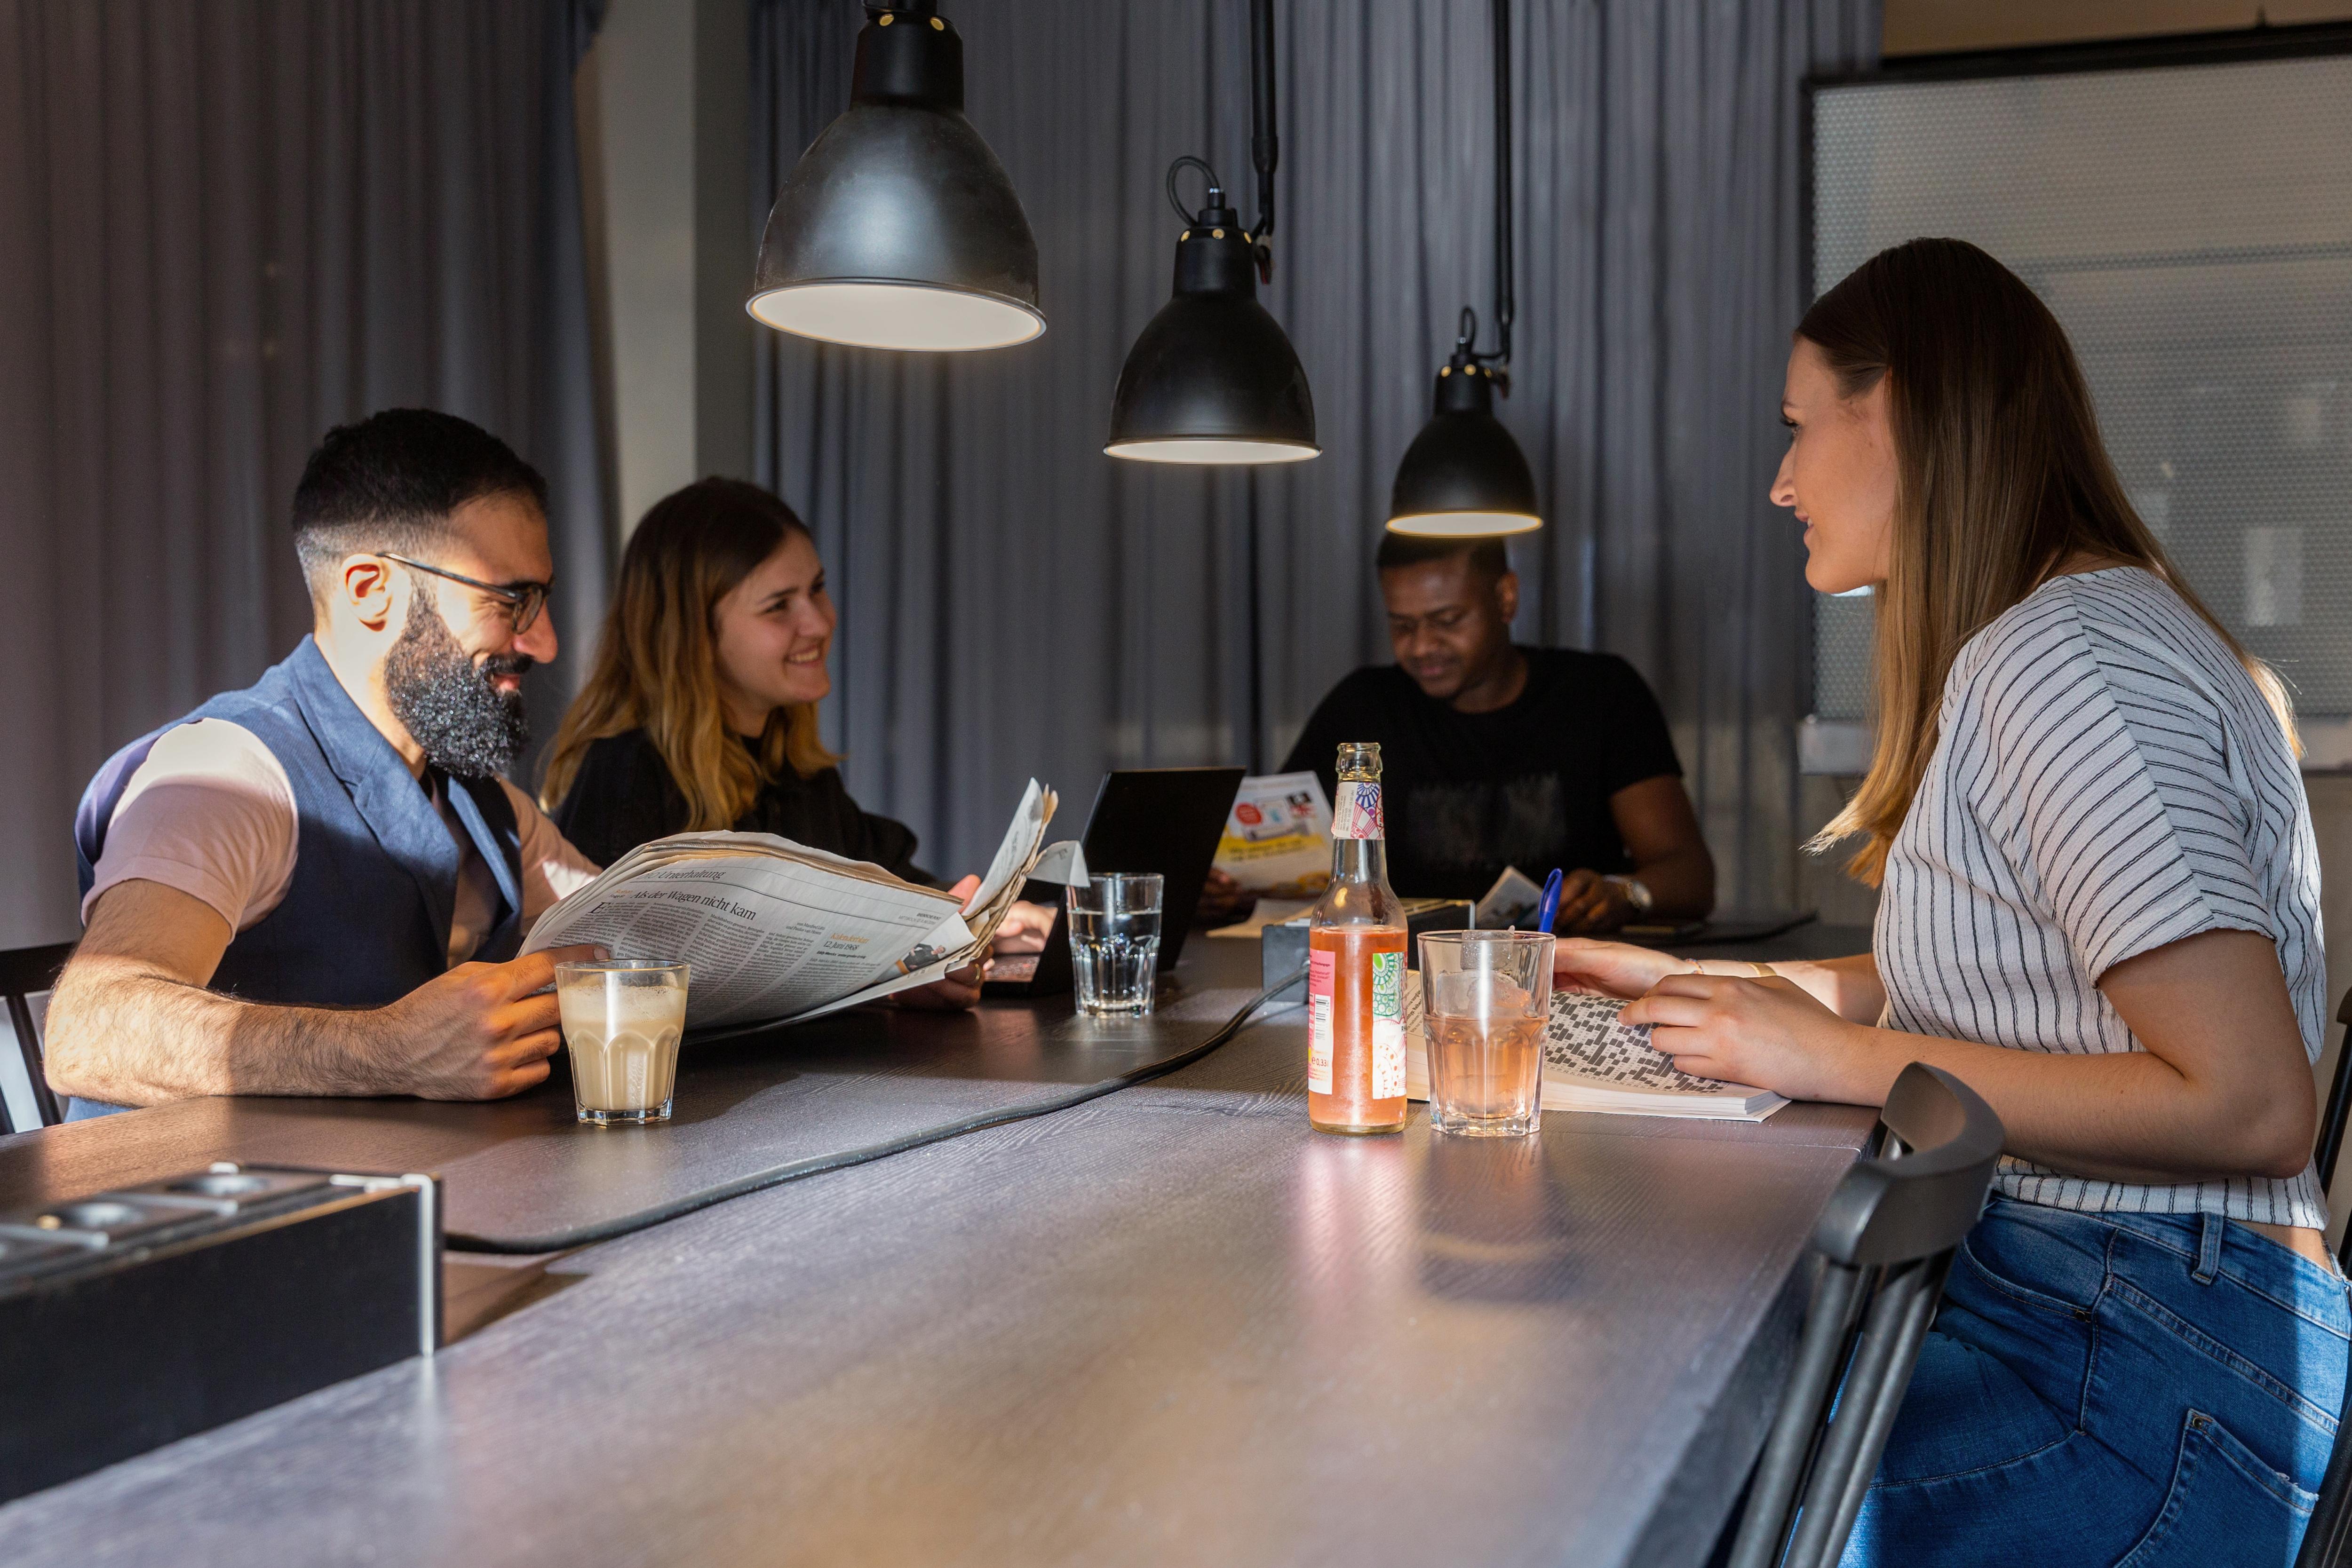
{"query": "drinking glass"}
[(1485, 998), (1115, 941), (622, 1020)]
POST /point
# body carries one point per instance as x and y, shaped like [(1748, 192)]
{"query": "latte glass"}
[(623, 1019)]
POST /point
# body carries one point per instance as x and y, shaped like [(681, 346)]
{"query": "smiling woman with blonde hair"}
[(700, 712), (2099, 907)]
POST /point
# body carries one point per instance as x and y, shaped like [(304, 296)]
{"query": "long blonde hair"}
[(657, 661), (2001, 478)]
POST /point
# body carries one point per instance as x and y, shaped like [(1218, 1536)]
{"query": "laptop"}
[(1164, 819)]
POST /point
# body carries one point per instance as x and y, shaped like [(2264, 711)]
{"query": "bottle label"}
[(1320, 969), (1357, 813), (1388, 1025)]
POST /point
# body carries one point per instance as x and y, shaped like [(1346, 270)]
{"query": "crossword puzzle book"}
[(1592, 1062)]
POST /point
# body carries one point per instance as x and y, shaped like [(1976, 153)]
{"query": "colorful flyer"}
[(1276, 841)]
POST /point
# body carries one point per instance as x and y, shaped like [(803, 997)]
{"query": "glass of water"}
[(1115, 941)]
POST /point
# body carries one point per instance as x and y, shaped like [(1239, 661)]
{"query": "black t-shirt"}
[(624, 796), (1467, 794)]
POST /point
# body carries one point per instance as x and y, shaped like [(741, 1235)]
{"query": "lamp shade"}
[(898, 228), (1212, 378), (1464, 475)]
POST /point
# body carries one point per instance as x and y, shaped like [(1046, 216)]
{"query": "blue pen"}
[(1548, 904)]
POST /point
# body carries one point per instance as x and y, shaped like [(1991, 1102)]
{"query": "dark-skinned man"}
[(1494, 755)]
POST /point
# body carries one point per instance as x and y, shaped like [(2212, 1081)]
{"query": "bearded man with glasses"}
[(318, 885)]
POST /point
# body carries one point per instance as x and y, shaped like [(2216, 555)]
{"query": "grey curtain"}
[(1014, 602), (226, 226)]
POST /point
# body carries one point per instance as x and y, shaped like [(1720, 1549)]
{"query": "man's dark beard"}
[(469, 729)]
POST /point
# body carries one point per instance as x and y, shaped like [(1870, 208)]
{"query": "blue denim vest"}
[(366, 917)]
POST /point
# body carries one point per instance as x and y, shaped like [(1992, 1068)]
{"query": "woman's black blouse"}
[(624, 796)]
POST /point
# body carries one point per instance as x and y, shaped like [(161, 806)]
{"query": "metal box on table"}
[(1283, 948), (134, 1317)]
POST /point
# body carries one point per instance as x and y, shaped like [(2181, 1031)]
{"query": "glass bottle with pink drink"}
[(1355, 967)]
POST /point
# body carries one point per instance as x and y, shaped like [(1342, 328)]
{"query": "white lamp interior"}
[(910, 316), (1465, 525), (1212, 449)]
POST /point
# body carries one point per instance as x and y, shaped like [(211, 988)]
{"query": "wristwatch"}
[(1636, 893)]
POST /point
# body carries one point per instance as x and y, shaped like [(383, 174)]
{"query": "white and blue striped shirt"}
[(2108, 779)]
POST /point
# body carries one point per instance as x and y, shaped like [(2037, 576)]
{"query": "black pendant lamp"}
[(898, 228), (1214, 379), (1463, 477)]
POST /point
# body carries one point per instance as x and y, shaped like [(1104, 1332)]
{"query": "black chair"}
[(2331, 1122), (1886, 1238), (2327, 1540), (25, 973)]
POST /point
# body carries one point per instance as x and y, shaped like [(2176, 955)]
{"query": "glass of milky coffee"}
[(622, 1021)]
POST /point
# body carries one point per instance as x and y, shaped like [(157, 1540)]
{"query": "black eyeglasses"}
[(523, 600)]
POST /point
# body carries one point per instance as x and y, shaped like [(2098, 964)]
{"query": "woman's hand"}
[(1222, 900), (1766, 1033), (1612, 968), (952, 992), (1025, 929)]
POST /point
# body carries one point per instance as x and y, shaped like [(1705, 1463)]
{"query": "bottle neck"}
[(1360, 860)]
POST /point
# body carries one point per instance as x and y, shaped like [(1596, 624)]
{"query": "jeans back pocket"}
[(2225, 1507)]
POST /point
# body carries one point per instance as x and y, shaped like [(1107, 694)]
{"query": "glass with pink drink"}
[(1486, 996)]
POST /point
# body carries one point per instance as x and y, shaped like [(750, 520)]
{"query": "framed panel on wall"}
[(2185, 209)]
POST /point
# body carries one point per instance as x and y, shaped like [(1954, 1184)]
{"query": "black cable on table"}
[(775, 1176)]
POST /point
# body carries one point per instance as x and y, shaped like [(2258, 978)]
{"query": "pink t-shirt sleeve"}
[(552, 867), (210, 813)]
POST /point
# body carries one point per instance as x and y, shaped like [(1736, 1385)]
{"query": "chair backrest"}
[(2327, 1539), (26, 1102), (1886, 1237), (2339, 1101)]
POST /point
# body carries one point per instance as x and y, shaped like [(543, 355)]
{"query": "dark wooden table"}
[(524, 1175), (1170, 1324)]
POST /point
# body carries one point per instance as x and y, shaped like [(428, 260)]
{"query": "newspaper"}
[(1278, 840), (1514, 897), (776, 930)]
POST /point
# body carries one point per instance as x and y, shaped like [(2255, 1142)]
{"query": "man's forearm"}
[(121, 1033), (1681, 884)]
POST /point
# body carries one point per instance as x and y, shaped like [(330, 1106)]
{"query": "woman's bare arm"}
[(2222, 1089)]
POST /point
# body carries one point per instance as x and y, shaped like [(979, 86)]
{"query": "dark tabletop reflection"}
[(1494, 1220)]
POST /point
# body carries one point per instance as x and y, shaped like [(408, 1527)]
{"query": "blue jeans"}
[(2113, 1388)]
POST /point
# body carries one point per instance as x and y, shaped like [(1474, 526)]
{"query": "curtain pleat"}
[(1014, 602), (225, 226)]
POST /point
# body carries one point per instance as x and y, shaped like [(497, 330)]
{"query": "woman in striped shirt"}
[(2100, 909)]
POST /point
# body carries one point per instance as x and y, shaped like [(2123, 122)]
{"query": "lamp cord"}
[(1265, 144), (1465, 346), (1216, 197), (1505, 305)]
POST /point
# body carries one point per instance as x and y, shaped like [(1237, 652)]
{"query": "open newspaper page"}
[(776, 930), (1017, 860)]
